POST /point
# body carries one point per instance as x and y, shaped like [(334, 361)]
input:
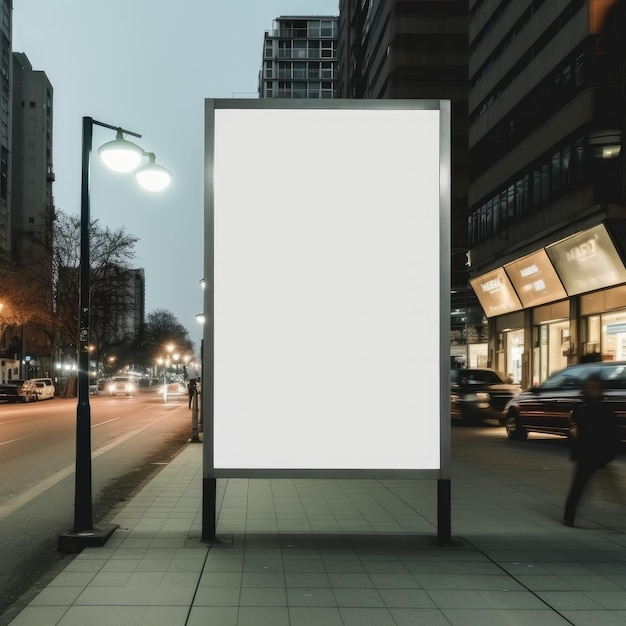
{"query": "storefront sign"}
[(587, 261), (535, 280), (324, 327), (615, 329), (495, 293)]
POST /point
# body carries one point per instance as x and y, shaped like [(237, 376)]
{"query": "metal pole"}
[(209, 508), (444, 512), (84, 533), (83, 514)]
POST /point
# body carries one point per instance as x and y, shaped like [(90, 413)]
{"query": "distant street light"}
[(123, 156)]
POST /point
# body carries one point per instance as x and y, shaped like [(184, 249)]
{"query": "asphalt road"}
[(131, 439)]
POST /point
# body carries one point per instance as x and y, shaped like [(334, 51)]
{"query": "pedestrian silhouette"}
[(191, 389), (594, 441)]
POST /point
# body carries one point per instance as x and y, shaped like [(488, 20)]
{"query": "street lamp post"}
[(122, 156)]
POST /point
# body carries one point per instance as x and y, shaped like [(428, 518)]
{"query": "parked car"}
[(18, 391), (45, 388), (547, 407), (478, 394), (120, 386)]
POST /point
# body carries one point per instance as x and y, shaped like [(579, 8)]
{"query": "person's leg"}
[(583, 473)]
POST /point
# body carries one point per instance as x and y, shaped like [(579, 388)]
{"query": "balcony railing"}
[(303, 33), (304, 53), (303, 93), (305, 74)]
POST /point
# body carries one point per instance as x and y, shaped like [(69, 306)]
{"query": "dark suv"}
[(546, 408), (479, 393)]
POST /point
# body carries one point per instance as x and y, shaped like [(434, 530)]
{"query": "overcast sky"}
[(147, 65)]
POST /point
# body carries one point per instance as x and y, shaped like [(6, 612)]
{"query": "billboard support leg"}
[(444, 512), (209, 508)]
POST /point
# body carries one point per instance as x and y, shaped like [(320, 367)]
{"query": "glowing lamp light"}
[(121, 155), (153, 177)]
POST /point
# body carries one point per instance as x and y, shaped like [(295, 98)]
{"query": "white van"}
[(45, 388)]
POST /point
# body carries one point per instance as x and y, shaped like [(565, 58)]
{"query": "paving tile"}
[(366, 617), (176, 589), (406, 598), (597, 618), (309, 616), (110, 579), (484, 599), (344, 566), (57, 596), (258, 579), (311, 596), (357, 597), (213, 615), (304, 565), (385, 567), (263, 596), (105, 616), (419, 617), (306, 579), (39, 615), (220, 579), (360, 581), (394, 581), (217, 596), (614, 600), (484, 617), (545, 583), (468, 582), (262, 616)]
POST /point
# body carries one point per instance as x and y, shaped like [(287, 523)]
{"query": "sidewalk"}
[(342, 552)]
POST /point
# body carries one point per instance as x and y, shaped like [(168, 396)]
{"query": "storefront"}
[(552, 342), (604, 324), (556, 306), (510, 346)]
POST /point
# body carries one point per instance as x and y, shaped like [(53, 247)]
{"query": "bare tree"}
[(112, 252), (163, 328)]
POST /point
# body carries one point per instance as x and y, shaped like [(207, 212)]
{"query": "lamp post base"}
[(72, 543)]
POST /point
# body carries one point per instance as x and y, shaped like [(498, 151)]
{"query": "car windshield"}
[(614, 376), (476, 377), (571, 377)]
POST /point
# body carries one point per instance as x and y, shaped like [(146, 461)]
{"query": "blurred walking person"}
[(191, 390), (594, 441)]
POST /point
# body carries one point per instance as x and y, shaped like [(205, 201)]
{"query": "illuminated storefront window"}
[(606, 336), (514, 354)]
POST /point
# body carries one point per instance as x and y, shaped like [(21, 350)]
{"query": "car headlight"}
[(479, 396)]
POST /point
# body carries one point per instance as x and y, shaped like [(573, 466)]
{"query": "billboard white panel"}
[(325, 288)]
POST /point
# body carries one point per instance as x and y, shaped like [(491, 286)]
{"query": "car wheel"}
[(514, 429)]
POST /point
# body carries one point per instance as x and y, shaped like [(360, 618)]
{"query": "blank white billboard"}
[(325, 264)]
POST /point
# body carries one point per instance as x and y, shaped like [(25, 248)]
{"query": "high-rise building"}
[(300, 58), (132, 320), (32, 175), (419, 49), (547, 219), (5, 130)]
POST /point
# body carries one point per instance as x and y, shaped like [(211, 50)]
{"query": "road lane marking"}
[(22, 419), (4, 443), (107, 422), (15, 503)]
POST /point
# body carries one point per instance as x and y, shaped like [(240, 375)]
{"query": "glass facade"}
[(606, 336)]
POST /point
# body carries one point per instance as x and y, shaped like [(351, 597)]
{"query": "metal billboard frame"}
[(443, 474)]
